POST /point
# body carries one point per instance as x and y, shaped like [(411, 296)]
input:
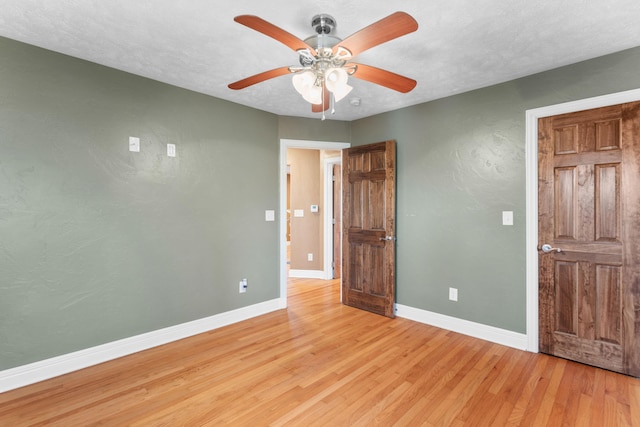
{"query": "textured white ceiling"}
[(195, 44)]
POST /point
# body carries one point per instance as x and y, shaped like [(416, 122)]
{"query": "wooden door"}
[(368, 252), (589, 208), (337, 221)]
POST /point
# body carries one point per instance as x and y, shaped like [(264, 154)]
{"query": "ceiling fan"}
[(326, 61)]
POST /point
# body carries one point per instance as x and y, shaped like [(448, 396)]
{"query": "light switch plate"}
[(171, 150), (298, 213), (507, 218), (134, 144), (269, 215)]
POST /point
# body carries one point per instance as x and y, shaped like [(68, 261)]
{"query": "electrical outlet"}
[(242, 286), (309, 257), (453, 294)]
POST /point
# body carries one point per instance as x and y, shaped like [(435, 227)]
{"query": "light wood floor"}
[(321, 363)]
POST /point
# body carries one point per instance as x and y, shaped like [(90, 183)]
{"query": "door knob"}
[(546, 248), (387, 238)]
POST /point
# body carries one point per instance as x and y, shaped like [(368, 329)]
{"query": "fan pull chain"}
[(332, 103), (323, 89)]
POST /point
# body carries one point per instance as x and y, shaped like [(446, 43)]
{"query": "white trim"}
[(531, 151), (466, 327), (307, 274), (328, 217), (284, 145), (45, 369)]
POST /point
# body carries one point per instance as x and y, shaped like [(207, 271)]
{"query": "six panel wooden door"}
[(368, 266), (589, 208)]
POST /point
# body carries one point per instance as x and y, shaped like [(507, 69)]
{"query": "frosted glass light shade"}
[(303, 81), (335, 77), (305, 84), (313, 95), (341, 91), (336, 81)]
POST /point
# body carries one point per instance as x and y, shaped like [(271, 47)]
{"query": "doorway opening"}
[(289, 214)]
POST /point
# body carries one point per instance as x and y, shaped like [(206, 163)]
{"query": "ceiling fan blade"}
[(383, 78), (389, 28), (276, 33), (319, 108), (258, 78)]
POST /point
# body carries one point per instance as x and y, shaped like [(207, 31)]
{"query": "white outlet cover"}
[(453, 294), (171, 150)]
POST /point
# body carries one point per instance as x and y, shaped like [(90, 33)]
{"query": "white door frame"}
[(285, 144), (328, 215), (531, 148)]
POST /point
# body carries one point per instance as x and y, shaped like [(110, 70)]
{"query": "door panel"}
[(589, 208), (368, 279)]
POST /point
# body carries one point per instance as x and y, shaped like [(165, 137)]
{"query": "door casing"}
[(531, 148), (328, 215)]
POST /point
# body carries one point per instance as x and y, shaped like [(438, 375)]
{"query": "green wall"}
[(98, 243), (460, 163), (313, 129)]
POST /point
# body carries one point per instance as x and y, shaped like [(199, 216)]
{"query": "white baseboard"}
[(45, 369), (307, 274), (466, 327)]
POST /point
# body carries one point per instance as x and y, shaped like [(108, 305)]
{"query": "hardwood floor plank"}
[(634, 404), (321, 363), (599, 400), (548, 396)]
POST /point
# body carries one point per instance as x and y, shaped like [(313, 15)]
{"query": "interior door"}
[(589, 220), (368, 253)]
